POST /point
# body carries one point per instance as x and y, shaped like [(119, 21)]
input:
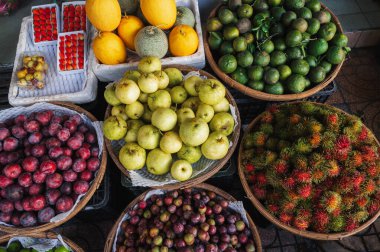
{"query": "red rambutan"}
[(318, 176), (357, 180), (332, 120), (344, 184), (369, 187), (363, 135), (273, 109), (368, 154), (336, 212), (372, 170), (374, 207), (362, 202), (304, 191), (342, 145), (331, 201), (351, 225), (295, 118), (249, 167), (286, 218), (260, 179), (273, 208), (280, 166), (315, 140), (288, 206), (321, 217), (267, 117), (289, 183), (333, 168), (259, 192), (356, 159), (301, 224), (302, 176)]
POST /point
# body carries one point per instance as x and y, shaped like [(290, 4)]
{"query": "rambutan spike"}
[(337, 224), (303, 146), (305, 191), (321, 217), (331, 201), (369, 187)]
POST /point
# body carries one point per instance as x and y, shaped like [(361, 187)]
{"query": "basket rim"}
[(112, 234), (262, 209), (48, 235), (85, 199), (262, 95), (214, 169)]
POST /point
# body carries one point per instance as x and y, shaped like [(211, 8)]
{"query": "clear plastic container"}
[(45, 24), (73, 16), (32, 69), (71, 52)]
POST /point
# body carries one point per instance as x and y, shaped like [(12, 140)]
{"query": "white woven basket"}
[(108, 73), (77, 88)]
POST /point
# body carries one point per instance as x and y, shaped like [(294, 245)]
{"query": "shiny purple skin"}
[(4, 133), (178, 228), (45, 215)]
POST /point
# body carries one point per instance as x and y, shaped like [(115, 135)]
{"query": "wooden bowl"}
[(82, 203), (112, 234), (263, 210), (204, 175), (262, 95), (44, 235)]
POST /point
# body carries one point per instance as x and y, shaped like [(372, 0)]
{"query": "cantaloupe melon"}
[(160, 13), (129, 6), (105, 15), (184, 16), (151, 41)]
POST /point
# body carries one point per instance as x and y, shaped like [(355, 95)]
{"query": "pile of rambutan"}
[(313, 167)]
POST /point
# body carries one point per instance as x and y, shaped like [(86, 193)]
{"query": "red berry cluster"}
[(45, 24), (46, 161), (74, 18), (71, 52)]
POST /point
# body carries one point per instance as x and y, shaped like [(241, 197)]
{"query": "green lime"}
[(293, 38), (213, 24), (230, 32), (279, 44), (288, 17), (274, 2), (239, 44), (14, 247), (300, 66), (256, 85), (227, 63), (277, 29), (249, 38), (226, 48), (261, 58), (335, 55), (277, 58), (306, 37), (327, 31), (305, 13), (260, 5), (234, 4), (276, 89), (284, 71), (307, 83), (317, 47), (240, 75), (313, 26), (340, 40), (268, 46), (294, 53), (225, 15), (245, 11), (323, 16), (244, 59), (311, 60), (277, 12), (296, 83), (326, 65), (61, 249), (256, 73), (294, 4), (317, 74), (300, 24), (215, 40), (271, 76), (314, 5)]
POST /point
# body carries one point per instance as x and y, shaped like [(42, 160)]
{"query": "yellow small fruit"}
[(183, 41), (128, 29), (22, 73), (109, 49)]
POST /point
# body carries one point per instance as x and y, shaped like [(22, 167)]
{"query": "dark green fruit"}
[(226, 16), (304, 13), (240, 75), (327, 31), (293, 38), (239, 44), (300, 24), (244, 59), (214, 24), (300, 66), (307, 83), (256, 85), (314, 5), (306, 37), (277, 29), (274, 2), (279, 44), (311, 60), (255, 73), (14, 247), (260, 6), (215, 40), (340, 40), (313, 26), (277, 12), (230, 32), (317, 74), (288, 17), (226, 48), (245, 11), (294, 53), (248, 1), (284, 71), (271, 76), (335, 55), (296, 83), (234, 4), (276, 89), (261, 58), (326, 65), (317, 47), (227, 63), (244, 25), (267, 46), (294, 4), (323, 16), (277, 58)]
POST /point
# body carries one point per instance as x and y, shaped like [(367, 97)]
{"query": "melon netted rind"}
[(185, 16), (151, 41), (129, 6)]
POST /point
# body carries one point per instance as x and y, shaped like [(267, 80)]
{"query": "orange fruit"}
[(109, 48), (183, 41), (128, 29)]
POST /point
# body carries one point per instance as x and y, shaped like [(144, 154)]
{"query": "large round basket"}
[(44, 235), (261, 95), (84, 200), (203, 175), (203, 186), (259, 206)]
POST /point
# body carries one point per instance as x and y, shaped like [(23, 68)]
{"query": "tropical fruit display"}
[(191, 219), (142, 27), (313, 167), (167, 122), (32, 71), (47, 160), (16, 246), (276, 47)]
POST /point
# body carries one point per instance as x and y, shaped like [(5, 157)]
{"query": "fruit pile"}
[(16, 246), (74, 18), (45, 23), (313, 167), (184, 220), (46, 161), (142, 29), (32, 72), (159, 112), (71, 47), (274, 46)]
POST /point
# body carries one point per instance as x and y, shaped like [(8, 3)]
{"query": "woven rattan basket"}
[(265, 96)]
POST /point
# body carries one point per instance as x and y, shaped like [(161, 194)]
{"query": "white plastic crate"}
[(53, 42), (74, 71), (77, 88), (108, 73)]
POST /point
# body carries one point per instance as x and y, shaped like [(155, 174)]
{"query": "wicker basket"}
[(201, 177), (112, 233), (85, 199), (265, 96), (272, 218), (44, 235)]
